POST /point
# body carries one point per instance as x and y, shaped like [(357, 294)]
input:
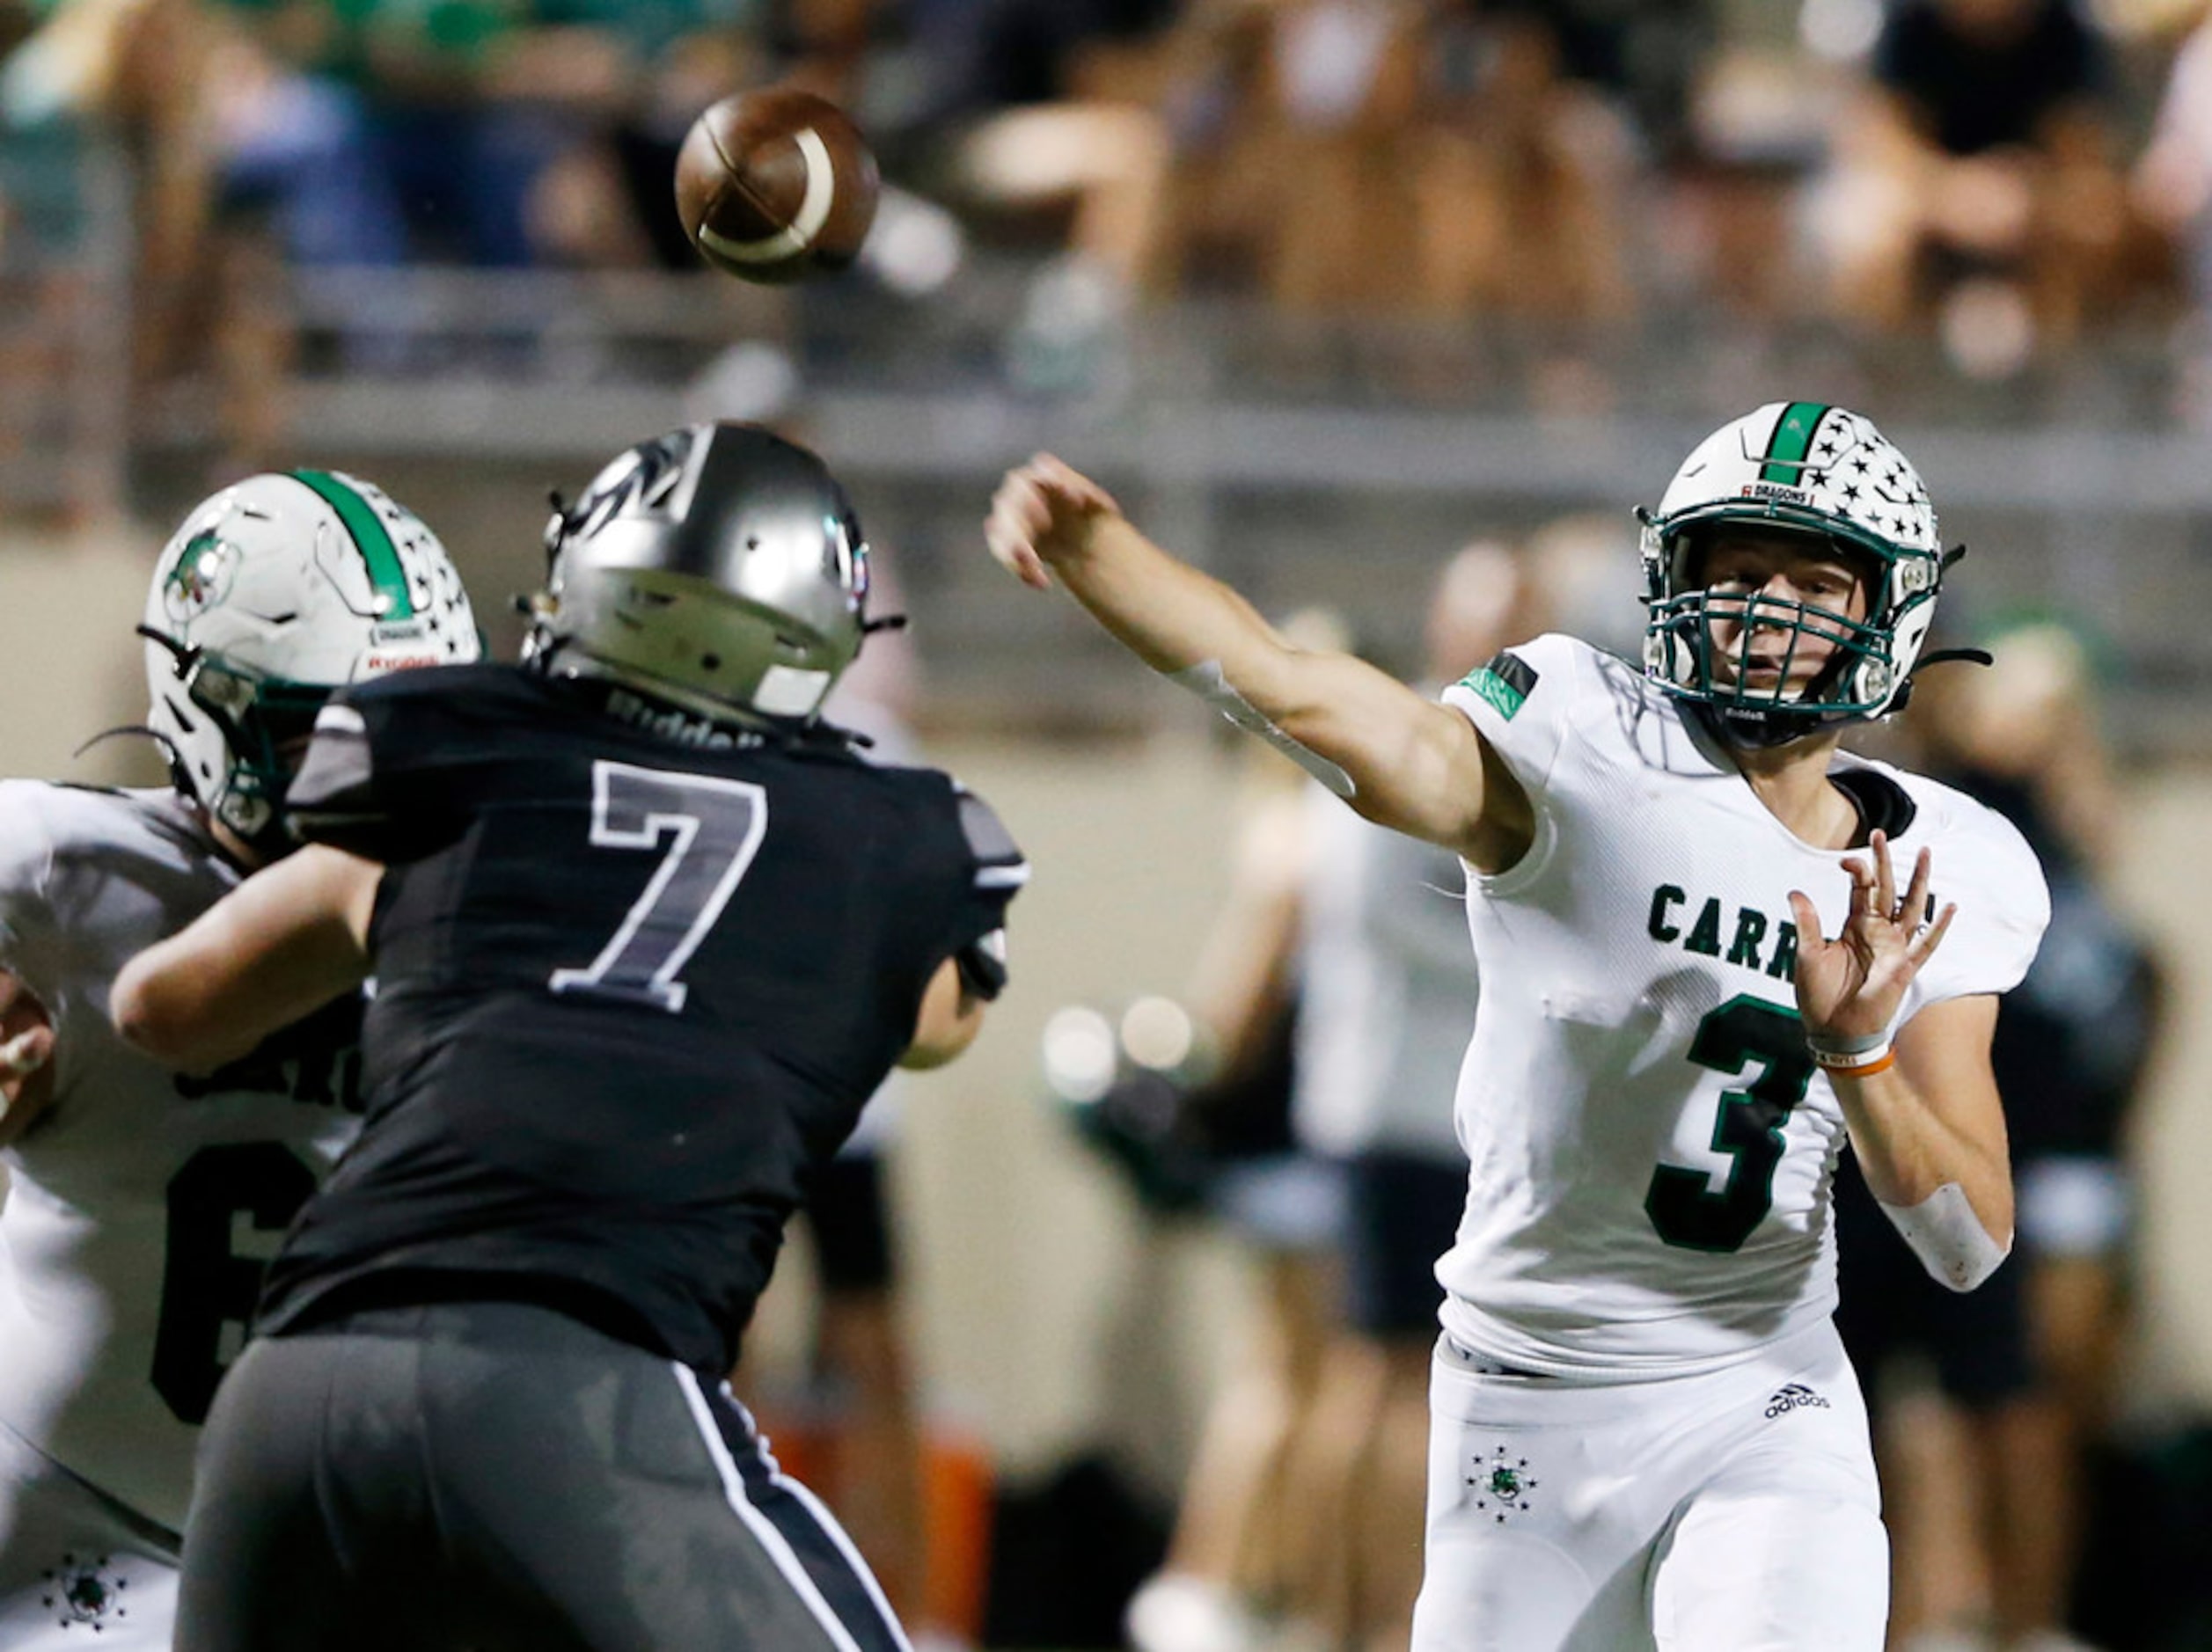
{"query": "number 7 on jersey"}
[(715, 827)]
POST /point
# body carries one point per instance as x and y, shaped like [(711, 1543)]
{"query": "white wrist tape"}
[(1841, 1051), (18, 1059), (1948, 1236), (1205, 679)]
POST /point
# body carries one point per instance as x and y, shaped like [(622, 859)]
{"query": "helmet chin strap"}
[(1757, 731), (180, 776), (185, 656)]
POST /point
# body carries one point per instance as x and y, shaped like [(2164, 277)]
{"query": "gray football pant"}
[(480, 1476)]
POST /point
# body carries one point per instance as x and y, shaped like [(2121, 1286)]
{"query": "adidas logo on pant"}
[(1790, 1396)]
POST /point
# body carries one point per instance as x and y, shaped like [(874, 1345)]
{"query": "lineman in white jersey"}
[(1699, 980), (141, 1203)]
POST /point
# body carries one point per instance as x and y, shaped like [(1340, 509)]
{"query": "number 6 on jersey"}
[(717, 826)]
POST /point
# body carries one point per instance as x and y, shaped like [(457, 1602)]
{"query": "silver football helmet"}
[(271, 594), (1810, 468), (718, 567)]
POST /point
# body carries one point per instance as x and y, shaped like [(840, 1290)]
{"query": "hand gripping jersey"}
[(635, 976), (144, 1204), (1650, 1143)]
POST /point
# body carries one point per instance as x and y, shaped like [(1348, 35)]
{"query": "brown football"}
[(776, 185)]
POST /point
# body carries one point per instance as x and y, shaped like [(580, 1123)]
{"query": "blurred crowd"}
[(1999, 179), (1993, 183)]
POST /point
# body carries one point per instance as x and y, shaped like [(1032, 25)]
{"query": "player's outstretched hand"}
[(1850, 987), (26, 1049), (1042, 514)]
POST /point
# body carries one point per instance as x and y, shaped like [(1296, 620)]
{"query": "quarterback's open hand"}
[(1042, 512), (1850, 987)]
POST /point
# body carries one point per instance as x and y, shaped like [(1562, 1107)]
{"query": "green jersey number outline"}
[(1683, 1203)]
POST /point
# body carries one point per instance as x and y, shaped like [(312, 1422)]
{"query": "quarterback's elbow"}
[(1965, 1273), (1949, 1238)]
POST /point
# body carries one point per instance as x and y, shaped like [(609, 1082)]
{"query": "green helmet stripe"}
[(1792, 440), (369, 537)]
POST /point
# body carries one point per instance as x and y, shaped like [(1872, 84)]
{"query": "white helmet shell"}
[(1816, 469), (270, 594)]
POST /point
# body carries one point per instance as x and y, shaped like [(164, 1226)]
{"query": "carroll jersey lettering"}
[(142, 1207), (1649, 1164), (632, 989)]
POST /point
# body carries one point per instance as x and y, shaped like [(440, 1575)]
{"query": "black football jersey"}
[(635, 975)]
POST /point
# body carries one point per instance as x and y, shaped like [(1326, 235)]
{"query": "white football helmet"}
[(719, 567), (1806, 467), (269, 595)]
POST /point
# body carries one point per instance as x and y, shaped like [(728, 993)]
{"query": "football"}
[(776, 185)]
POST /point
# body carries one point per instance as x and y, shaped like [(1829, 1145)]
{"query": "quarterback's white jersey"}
[(142, 1204), (1651, 1144)]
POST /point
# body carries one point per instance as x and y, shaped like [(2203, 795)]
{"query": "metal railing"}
[(1307, 463)]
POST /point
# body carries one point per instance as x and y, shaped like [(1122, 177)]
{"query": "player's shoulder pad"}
[(437, 684), (1507, 679), (29, 830), (1524, 699), (999, 862), (1978, 842), (43, 822), (1982, 863)]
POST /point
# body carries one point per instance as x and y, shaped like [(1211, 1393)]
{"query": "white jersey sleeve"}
[(142, 1204), (1524, 701), (1985, 868)]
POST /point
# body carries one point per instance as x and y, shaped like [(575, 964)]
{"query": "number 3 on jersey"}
[(1681, 1203), (714, 828)]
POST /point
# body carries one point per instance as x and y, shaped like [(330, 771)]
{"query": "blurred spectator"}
[(1977, 181), (1386, 1008), (1342, 93), (1250, 134), (2174, 185), (1522, 173), (419, 130), (981, 56), (1237, 1575), (1985, 1489)]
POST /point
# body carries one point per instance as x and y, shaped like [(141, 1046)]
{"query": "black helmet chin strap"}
[(1973, 657), (185, 656), (1755, 730), (180, 776)]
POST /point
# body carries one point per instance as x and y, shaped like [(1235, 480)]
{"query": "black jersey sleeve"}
[(377, 777), (998, 869)]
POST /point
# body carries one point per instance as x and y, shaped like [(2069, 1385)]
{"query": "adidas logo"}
[(1792, 1397)]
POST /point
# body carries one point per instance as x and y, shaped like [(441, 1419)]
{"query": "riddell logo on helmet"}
[(1782, 491), (398, 661)]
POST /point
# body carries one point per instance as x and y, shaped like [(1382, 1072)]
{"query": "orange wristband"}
[(1882, 1062), (1858, 1058)]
